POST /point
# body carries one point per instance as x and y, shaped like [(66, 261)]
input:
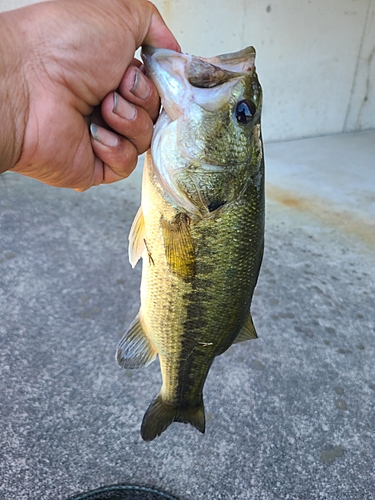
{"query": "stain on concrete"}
[(210, 417), (84, 299), (329, 329), (258, 365), (331, 454), (90, 313), (282, 315), (341, 404), (344, 351), (321, 209)]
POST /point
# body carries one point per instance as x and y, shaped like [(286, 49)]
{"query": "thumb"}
[(159, 35)]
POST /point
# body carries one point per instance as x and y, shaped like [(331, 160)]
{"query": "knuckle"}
[(129, 156), (148, 128)]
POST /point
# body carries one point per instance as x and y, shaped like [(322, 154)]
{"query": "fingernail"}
[(123, 108), (141, 87), (103, 136)]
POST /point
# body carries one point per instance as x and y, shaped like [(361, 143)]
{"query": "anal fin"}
[(248, 331), (134, 349)]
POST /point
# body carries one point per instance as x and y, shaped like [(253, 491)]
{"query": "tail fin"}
[(160, 415)]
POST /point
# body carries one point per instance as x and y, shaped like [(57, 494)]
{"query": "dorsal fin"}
[(134, 349), (136, 238), (248, 331)]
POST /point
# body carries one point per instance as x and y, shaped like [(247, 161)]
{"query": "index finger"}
[(138, 89)]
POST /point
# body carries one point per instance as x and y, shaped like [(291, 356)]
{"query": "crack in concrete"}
[(354, 83)]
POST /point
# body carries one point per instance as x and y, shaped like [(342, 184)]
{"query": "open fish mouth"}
[(210, 108), (182, 78)]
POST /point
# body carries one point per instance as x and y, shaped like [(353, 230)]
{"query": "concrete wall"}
[(315, 57)]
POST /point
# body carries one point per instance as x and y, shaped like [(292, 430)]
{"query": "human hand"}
[(69, 63)]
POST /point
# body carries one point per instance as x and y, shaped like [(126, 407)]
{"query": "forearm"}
[(13, 94)]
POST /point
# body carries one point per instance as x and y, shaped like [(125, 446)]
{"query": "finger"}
[(104, 174), (159, 35), (131, 121), (138, 89), (136, 62), (118, 155)]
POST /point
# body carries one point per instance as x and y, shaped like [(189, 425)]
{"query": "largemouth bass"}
[(200, 228)]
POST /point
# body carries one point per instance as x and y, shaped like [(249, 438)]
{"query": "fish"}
[(200, 227)]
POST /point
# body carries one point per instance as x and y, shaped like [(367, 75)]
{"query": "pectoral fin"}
[(134, 349), (248, 331), (137, 238), (179, 246)]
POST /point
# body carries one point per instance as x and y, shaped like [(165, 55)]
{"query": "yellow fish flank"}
[(200, 227)]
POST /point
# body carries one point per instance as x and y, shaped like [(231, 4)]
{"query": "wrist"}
[(13, 93)]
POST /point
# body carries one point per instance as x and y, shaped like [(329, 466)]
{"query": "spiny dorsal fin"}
[(160, 415), (136, 238), (179, 247), (134, 349), (248, 331)]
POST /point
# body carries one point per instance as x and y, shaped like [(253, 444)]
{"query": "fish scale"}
[(200, 233)]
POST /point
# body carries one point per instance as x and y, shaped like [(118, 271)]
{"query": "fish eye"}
[(244, 111)]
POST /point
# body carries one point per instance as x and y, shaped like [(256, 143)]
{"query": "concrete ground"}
[(289, 416)]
